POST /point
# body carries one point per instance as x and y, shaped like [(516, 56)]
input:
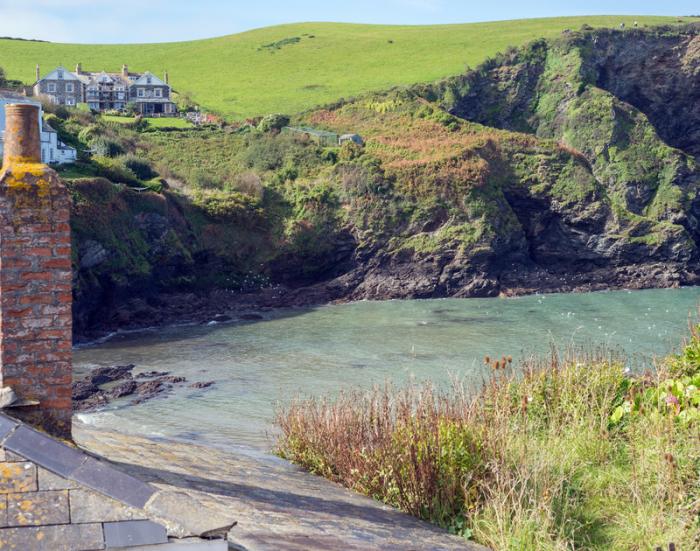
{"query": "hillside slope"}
[(289, 68), (535, 172)]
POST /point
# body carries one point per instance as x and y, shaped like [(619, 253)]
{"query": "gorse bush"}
[(537, 459)]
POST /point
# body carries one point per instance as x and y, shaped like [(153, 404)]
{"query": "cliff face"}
[(628, 101), (568, 164), (603, 193)]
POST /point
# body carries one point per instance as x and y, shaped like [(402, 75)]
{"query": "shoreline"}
[(220, 307)]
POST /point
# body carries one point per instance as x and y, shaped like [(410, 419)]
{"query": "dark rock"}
[(103, 375), (250, 317), (126, 388), (82, 390), (202, 384), (91, 254), (88, 393), (152, 374)]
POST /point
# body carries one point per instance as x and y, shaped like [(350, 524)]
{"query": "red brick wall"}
[(35, 294)]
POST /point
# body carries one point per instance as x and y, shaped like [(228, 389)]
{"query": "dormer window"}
[(60, 74), (148, 80)]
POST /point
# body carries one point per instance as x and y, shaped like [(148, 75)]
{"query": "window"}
[(60, 74), (51, 87), (158, 92), (70, 101), (141, 92), (120, 95), (149, 80), (69, 87)]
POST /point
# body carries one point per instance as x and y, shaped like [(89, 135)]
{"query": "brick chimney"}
[(125, 71), (38, 73), (35, 279), (79, 68)]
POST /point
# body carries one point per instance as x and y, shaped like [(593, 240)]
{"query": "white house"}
[(53, 150)]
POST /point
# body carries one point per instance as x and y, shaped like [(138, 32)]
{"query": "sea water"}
[(257, 365)]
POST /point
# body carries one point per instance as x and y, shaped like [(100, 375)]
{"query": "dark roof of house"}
[(90, 472)]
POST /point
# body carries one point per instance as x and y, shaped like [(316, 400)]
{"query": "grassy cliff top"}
[(289, 68)]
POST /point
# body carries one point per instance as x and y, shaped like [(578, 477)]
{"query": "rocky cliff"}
[(569, 164)]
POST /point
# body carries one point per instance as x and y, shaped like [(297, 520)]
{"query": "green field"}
[(289, 68), (160, 122)]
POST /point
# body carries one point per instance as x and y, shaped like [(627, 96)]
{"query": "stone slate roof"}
[(56, 497)]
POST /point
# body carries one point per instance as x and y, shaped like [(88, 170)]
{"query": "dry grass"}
[(531, 461)]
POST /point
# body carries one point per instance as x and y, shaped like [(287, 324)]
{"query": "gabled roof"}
[(144, 80), (53, 75)]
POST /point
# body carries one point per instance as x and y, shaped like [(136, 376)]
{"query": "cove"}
[(316, 351)]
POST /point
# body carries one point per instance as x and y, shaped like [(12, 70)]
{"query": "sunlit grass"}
[(238, 76)]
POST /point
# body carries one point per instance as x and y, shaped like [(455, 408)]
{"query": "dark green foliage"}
[(274, 122), (140, 167), (279, 44)]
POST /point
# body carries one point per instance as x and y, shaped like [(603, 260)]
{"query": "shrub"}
[(114, 170), (249, 184), (274, 122), (106, 147), (350, 151), (140, 167)]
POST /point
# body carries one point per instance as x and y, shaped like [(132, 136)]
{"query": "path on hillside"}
[(277, 505)]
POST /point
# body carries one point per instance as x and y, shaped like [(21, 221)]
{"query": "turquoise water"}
[(320, 350)]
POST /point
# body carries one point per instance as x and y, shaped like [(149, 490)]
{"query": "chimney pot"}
[(22, 142), (79, 68), (125, 70)]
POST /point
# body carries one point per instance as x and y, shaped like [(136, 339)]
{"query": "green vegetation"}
[(290, 68), (159, 122), (571, 452)]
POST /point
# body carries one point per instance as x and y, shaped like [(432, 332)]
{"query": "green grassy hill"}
[(289, 68)]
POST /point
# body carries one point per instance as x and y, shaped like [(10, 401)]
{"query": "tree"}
[(3, 80), (274, 122)]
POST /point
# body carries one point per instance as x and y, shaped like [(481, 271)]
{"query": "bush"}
[(106, 147), (249, 184), (115, 171), (273, 122), (350, 151), (140, 167)]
